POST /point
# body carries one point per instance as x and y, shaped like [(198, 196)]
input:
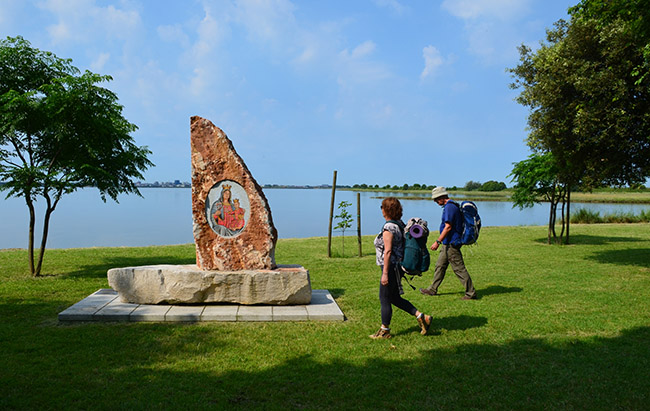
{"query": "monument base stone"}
[(187, 284)]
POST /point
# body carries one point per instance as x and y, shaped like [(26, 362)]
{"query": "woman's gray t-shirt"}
[(398, 242)]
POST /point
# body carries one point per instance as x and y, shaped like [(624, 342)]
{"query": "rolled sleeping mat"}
[(416, 231)]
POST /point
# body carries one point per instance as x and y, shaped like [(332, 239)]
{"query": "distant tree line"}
[(469, 186)]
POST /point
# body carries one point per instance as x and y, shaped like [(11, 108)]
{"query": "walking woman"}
[(389, 246)]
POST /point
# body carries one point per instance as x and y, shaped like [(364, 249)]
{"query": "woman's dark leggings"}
[(389, 296)]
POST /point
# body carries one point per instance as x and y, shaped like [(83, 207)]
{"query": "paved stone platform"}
[(104, 305)]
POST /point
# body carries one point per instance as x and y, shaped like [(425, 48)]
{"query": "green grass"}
[(554, 327), (586, 216)]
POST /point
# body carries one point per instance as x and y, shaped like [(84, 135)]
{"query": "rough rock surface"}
[(187, 284), (225, 241)]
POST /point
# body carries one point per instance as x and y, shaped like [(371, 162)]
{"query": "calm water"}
[(164, 216)]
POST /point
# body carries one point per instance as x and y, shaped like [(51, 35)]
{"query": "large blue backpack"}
[(471, 222)]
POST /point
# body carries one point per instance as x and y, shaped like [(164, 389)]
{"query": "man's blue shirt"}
[(451, 214)]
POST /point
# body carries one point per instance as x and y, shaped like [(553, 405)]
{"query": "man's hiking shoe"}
[(381, 334), (425, 322), (427, 292), (466, 297)]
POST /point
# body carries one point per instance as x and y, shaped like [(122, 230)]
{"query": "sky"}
[(382, 91)]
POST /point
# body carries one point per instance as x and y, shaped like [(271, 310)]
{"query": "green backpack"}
[(416, 258)]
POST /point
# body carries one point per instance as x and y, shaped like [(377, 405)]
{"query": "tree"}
[(472, 185), (59, 131), (589, 102), (536, 179), (345, 220), (493, 185)]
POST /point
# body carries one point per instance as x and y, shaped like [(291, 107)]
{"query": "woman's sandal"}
[(382, 333), (425, 322)]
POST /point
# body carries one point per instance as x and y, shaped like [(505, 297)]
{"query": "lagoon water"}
[(164, 216)]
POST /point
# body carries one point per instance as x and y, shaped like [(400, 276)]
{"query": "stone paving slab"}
[(149, 313), (86, 308), (115, 311), (255, 313), (220, 313), (103, 305), (290, 313), (323, 307)]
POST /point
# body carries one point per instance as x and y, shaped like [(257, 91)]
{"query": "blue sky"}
[(383, 91)]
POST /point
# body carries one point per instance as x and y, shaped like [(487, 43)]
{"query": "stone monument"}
[(234, 235)]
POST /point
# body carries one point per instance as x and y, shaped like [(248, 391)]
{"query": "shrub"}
[(586, 216)]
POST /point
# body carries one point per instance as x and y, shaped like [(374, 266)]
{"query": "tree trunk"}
[(30, 244), (551, 220), (329, 231), (563, 222), (46, 229), (568, 213)]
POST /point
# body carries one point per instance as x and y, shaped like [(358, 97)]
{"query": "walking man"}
[(449, 242)]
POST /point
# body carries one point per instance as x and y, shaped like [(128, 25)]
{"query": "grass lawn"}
[(563, 327)]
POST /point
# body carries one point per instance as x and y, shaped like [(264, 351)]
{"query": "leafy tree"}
[(536, 179), (345, 220), (588, 95), (60, 131), (493, 186), (472, 185)]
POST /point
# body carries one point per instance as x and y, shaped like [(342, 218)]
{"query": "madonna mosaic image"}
[(227, 208)]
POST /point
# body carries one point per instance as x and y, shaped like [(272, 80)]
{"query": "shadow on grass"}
[(456, 323), (336, 292), (632, 256), (497, 289), (459, 322), (153, 366), (100, 269), (594, 240)]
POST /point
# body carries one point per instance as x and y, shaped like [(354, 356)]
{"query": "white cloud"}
[(173, 34), (491, 26), (203, 53), (432, 60), (475, 9), (362, 50), (98, 64), (82, 21), (267, 21), (355, 68), (394, 5)]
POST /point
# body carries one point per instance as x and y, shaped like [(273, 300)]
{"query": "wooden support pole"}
[(359, 223), (329, 232)]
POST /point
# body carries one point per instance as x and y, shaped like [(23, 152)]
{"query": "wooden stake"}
[(359, 223), (329, 232)]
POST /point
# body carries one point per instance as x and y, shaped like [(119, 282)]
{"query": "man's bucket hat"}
[(438, 192)]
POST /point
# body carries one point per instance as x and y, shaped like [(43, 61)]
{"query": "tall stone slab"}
[(233, 227)]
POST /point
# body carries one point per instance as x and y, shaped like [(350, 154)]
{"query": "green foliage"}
[(536, 179), (573, 320), (472, 185), (59, 131), (586, 216), (345, 220), (493, 185), (586, 106), (588, 91)]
